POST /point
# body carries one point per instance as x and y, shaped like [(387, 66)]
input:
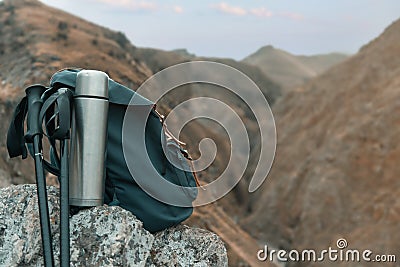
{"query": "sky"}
[(236, 29)]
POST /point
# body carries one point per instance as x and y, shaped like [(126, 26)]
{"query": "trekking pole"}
[(65, 104), (34, 135), (64, 202), (56, 115)]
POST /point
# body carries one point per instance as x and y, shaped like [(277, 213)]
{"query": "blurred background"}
[(330, 72)]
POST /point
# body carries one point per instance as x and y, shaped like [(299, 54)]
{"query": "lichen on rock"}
[(185, 246)]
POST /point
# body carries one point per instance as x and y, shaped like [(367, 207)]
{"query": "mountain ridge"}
[(291, 70)]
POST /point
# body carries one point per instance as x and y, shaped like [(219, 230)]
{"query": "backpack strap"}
[(15, 136), (55, 113)]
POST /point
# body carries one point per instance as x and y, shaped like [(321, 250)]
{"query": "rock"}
[(108, 236), (100, 236), (200, 248), (19, 225)]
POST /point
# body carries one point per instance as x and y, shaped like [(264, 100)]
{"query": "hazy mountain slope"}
[(320, 63), (158, 60), (336, 169), (289, 70)]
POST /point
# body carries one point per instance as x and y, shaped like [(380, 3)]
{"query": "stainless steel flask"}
[(88, 140)]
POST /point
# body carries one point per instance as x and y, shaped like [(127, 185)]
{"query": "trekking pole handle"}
[(34, 93)]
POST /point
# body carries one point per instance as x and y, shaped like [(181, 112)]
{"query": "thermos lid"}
[(91, 83)]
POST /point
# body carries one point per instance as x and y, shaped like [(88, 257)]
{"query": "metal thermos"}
[(88, 140)]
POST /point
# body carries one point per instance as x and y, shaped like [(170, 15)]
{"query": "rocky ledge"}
[(101, 236)]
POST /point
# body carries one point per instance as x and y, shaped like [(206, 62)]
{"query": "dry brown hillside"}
[(290, 70), (336, 172), (37, 40)]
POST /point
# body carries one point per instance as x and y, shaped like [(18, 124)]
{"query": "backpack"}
[(121, 189)]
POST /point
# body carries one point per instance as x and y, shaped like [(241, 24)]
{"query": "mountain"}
[(37, 40), (336, 172), (37, 45), (336, 168), (158, 60), (184, 52), (290, 70)]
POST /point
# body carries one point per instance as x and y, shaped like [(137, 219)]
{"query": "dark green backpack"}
[(121, 189)]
